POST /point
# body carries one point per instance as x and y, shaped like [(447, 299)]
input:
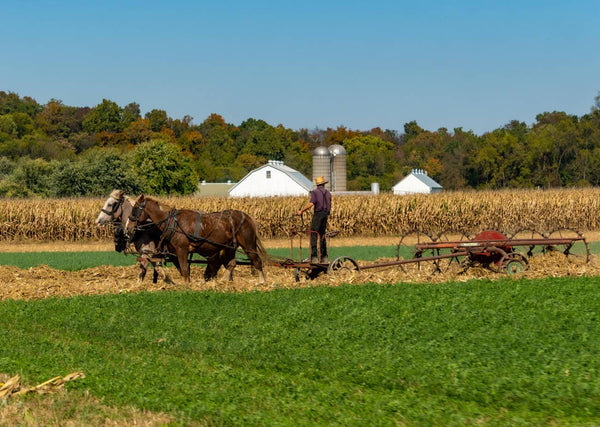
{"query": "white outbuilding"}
[(272, 179), (416, 182)]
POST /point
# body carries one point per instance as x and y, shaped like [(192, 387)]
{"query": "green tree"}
[(369, 159), (163, 169), (58, 120), (131, 113), (217, 144), (411, 130), (259, 138), (104, 117), (70, 179), (157, 118), (8, 127), (33, 174), (25, 124), (108, 169), (11, 103)]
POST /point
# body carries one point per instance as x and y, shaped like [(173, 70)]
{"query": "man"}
[(320, 198)]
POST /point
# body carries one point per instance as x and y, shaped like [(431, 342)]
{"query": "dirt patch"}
[(44, 282)]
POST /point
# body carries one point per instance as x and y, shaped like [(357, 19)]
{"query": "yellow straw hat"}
[(320, 180)]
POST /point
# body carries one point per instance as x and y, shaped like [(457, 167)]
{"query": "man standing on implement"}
[(320, 198)]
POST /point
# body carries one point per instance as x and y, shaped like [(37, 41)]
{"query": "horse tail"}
[(260, 249)]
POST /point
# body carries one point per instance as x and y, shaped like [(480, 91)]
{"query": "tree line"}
[(57, 150)]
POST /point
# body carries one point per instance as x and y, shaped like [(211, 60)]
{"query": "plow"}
[(420, 252)]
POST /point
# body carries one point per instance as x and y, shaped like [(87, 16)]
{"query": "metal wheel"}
[(407, 251), (576, 250), (513, 263), (343, 267)]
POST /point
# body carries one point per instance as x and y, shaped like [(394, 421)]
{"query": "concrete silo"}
[(322, 165), (338, 168)]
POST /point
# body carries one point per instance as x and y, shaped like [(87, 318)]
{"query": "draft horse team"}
[(161, 233)]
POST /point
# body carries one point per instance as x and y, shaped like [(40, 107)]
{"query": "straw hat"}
[(320, 180)]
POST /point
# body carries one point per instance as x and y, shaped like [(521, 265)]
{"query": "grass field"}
[(504, 352), (477, 352), (72, 261)]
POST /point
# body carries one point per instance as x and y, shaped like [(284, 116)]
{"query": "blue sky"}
[(310, 64)]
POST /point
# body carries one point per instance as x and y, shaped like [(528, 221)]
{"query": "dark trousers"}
[(318, 224)]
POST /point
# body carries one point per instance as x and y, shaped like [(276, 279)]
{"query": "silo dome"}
[(336, 150), (321, 151)]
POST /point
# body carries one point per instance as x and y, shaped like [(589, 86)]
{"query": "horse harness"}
[(173, 226)]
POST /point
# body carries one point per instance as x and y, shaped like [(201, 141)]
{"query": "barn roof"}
[(424, 178), (293, 174)]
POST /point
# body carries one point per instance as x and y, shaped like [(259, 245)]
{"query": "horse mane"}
[(162, 206)]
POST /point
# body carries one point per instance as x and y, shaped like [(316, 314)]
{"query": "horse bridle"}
[(115, 208), (136, 212)]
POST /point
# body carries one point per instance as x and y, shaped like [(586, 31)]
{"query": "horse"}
[(117, 210), (215, 236)]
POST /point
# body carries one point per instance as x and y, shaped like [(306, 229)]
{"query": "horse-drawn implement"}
[(418, 251)]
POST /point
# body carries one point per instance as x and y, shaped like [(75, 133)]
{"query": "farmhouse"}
[(416, 182), (272, 179)]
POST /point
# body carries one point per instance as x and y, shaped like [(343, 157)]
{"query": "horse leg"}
[(184, 267), (160, 273), (212, 268), (230, 266), (143, 268)]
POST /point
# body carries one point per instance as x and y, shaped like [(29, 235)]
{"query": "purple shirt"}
[(321, 198)]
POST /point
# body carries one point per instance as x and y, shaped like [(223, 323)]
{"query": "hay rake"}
[(420, 252)]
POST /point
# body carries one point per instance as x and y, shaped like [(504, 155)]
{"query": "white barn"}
[(272, 179), (416, 182)]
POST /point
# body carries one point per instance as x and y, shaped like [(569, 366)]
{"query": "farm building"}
[(416, 182), (213, 189), (272, 179)]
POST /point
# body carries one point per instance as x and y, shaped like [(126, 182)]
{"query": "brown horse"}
[(215, 236)]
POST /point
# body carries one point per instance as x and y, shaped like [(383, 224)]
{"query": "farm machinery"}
[(419, 252)]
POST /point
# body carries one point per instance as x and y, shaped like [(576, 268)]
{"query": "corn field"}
[(353, 215)]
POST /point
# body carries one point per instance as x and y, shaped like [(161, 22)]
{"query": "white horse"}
[(117, 210)]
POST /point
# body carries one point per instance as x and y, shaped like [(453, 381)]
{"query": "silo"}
[(322, 165), (338, 167)]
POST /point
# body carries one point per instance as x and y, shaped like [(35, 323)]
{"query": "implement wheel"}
[(343, 267), (513, 263), (576, 252)]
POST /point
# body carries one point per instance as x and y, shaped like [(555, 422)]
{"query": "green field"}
[(502, 352), (72, 261)]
